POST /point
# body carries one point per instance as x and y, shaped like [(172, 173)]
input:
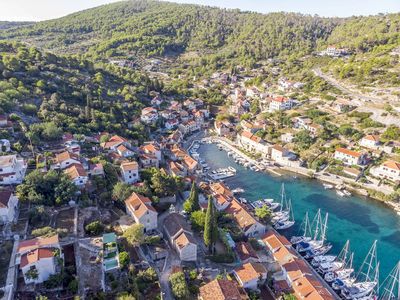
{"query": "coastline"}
[(311, 174)]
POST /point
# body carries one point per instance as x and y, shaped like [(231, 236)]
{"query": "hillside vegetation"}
[(74, 94)]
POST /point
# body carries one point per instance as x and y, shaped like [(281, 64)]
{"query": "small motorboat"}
[(283, 225), (328, 186), (317, 260), (346, 192), (340, 193)]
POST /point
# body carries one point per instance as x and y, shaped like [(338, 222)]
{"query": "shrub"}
[(179, 285), (94, 228), (124, 259)]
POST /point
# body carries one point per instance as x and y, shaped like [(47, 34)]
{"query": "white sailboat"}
[(305, 227), (338, 263), (281, 225), (390, 288), (367, 279), (316, 246), (284, 213), (337, 277)]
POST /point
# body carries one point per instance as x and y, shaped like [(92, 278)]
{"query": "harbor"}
[(360, 220)]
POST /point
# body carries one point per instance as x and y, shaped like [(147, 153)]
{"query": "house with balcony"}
[(280, 103), (390, 170), (350, 157), (77, 174), (38, 258), (370, 141), (12, 169)]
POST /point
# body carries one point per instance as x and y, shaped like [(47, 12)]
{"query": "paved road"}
[(362, 106)]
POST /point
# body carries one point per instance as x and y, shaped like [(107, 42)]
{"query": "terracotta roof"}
[(113, 141), (139, 205), (220, 289), (7, 160), (391, 164), (242, 217), (245, 251), (150, 148), (278, 148), (184, 239), (35, 255), (75, 171), (63, 156), (221, 188), (189, 162), (371, 137), (280, 99), (250, 271), (129, 165), (4, 198), (37, 243), (122, 148), (348, 152), (296, 268), (309, 288), (279, 246)]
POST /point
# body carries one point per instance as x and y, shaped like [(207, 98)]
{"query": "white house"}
[(389, 169), (370, 141), (8, 206), (142, 211), (77, 174), (65, 159), (149, 115), (278, 153), (280, 103), (5, 145), (250, 275), (181, 237), (130, 172), (253, 143), (37, 258), (114, 142), (124, 151), (12, 169), (350, 157), (222, 196)]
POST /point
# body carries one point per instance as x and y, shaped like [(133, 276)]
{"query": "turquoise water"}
[(355, 218)]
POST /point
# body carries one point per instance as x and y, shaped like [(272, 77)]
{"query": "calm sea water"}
[(357, 219)]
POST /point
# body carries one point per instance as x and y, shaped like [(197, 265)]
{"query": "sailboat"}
[(316, 246), (337, 277), (284, 213), (281, 225), (320, 259), (367, 279), (305, 227), (391, 285), (336, 264)]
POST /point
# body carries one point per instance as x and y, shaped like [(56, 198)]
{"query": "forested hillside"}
[(159, 28), (73, 94)]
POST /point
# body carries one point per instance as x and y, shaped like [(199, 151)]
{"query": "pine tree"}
[(192, 203), (214, 230), (208, 225)]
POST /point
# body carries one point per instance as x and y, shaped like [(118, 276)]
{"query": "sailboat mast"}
[(318, 220), (325, 226)]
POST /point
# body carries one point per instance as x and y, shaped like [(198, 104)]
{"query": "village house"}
[(314, 129), (171, 124), (176, 169), (250, 275), (5, 145), (175, 138), (77, 174), (96, 169), (370, 141), (191, 165), (189, 127), (37, 258), (130, 171), (279, 247), (222, 289), (12, 169), (156, 101), (342, 106), (114, 142), (8, 206), (223, 128), (152, 148), (177, 153), (246, 253), (280, 103), (246, 222), (65, 159), (180, 236), (124, 151), (388, 170), (350, 157), (140, 208), (334, 51), (280, 154), (149, 115), (222, 196), (253, 143)]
